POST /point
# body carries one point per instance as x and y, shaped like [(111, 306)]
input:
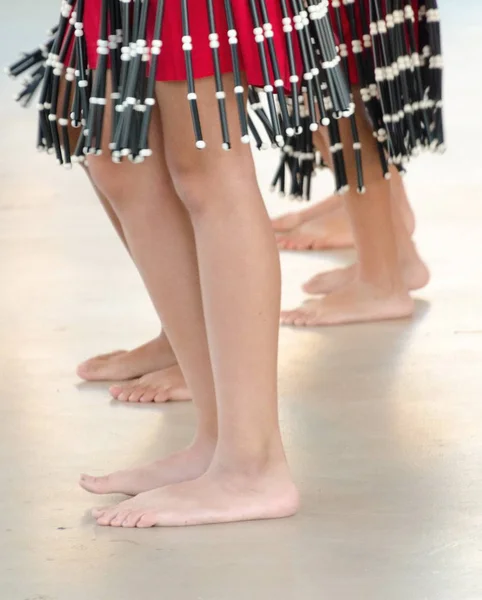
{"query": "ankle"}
[(249, 461), (384, 284)]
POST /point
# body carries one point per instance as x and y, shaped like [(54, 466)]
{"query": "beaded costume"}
[(298, 58)]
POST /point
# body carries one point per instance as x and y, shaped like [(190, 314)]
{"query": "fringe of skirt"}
[(399, 77)]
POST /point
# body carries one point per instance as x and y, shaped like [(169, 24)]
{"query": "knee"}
[(198, 180), (191, 184), (106, 175)]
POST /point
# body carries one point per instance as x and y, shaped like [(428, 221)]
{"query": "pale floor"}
[(382, 422)]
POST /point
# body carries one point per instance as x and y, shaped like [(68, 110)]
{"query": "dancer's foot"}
[(182, 466), (290, 221), (160, 386), (331, 231), (210, 499), (415, 276), (357, 302), (122, 365)]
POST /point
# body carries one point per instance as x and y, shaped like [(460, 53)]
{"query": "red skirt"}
[(171, 66)]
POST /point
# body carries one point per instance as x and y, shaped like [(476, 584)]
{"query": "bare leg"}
[(326, 225), (414, 271), (321, 226), (240, 282), (379, 291), (161, 242), (240, 303), (154, 356)]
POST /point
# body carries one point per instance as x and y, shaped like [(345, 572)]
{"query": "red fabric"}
[(171, 61)]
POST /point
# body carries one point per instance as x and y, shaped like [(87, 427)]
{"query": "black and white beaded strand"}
[(239, 90), (81, 60), (45, 100), (307, 85), (191, 96), (279, 83), (149, 100), (260, 40), (343, 48), (138, 50), (220, 93), (32, 66), (57, 76), (368, 89), (97, 98), (436, 66), (294, 76)]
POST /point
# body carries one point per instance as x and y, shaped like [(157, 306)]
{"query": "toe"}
[(162, 396), (296, 318), (287, 317), (108, 516), (118, 520), (147, 520), (125, 391), (116, 390), (137, 393), (148, 395), (133, 518)]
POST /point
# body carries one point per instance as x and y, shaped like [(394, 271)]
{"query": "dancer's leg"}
[(160, 237), (414, 271), (240, 282), (154, 356), (325, 225), (379, 291), (322, 226)]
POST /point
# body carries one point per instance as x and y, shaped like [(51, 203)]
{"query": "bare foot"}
[(209, 499), (415, 275), (357, 302), (327, 232), (289, 221), (122, 364), (160, 386), (182, 466)]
